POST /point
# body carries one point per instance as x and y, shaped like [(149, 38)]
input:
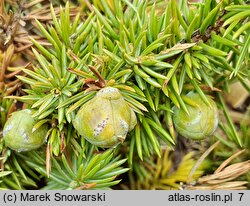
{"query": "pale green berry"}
[(202, 120), (18, 134), (106, 119)]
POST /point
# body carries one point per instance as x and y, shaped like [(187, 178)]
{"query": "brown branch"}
[(12, 74), (101, 80), (13, 83), (12, 108), (21, 48), (12, 89), (197, 36)]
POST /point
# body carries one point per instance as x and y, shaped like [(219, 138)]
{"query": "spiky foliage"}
[(17, 27), (84, 168), (154, 53), (164, 173)]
